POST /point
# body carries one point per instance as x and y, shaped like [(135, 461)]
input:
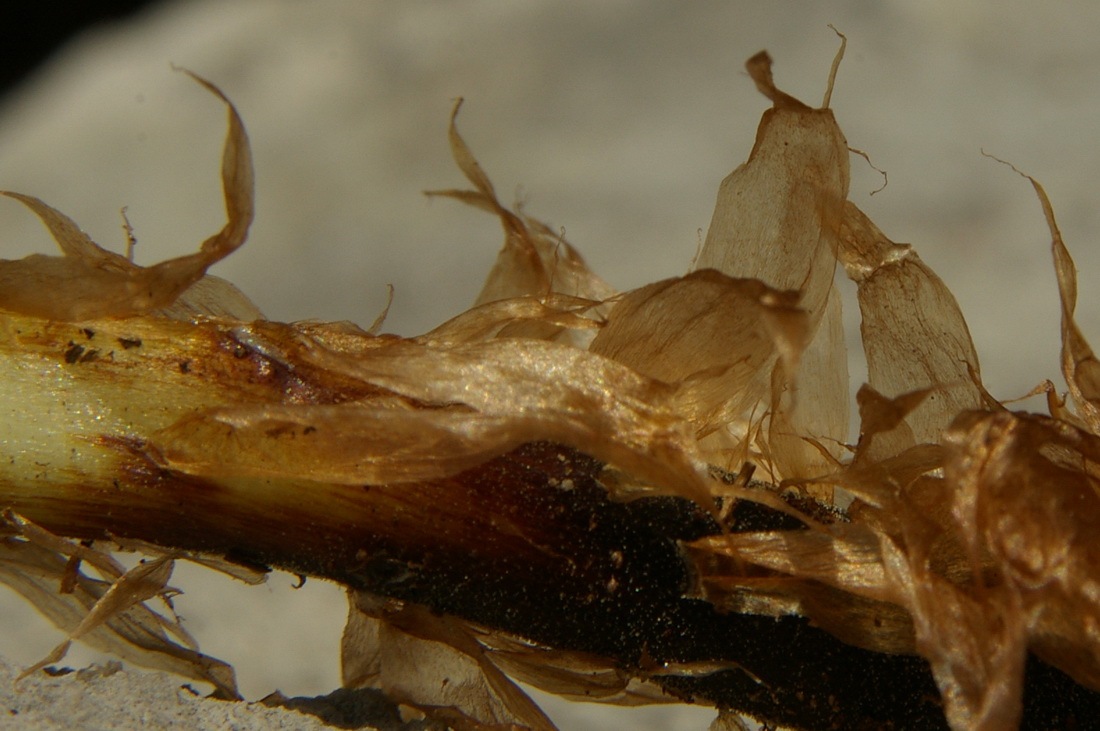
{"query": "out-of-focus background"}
[(613, 120)]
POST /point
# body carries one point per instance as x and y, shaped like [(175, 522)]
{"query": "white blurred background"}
[(613, 120)]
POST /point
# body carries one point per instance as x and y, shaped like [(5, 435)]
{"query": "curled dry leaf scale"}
[(556, 485)]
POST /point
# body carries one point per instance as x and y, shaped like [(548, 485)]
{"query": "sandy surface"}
[(108, 697), (615, 120)]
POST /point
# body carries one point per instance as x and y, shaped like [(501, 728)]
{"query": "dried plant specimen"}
[(557, 484)]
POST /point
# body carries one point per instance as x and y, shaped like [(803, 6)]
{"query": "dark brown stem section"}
[(529, 543)]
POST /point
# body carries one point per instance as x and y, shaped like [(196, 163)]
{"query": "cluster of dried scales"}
[(536, 434)]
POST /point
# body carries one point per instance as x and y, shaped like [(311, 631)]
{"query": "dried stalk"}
[(529, 489)]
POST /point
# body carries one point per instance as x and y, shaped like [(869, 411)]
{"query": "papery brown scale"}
[(533, 261), (576, 675), (528, 317), (90, 282), (1025, 497), (714, 337), (1024, 510), (881, 483), (346, 444), (777, 219), (481, 400), (1079, 364), (884, 431), (581, 399), (434, 663), (833, 577), (913, 332), (118, 624), (212, 297), (777, 215), (975, 646), (809, 407)]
